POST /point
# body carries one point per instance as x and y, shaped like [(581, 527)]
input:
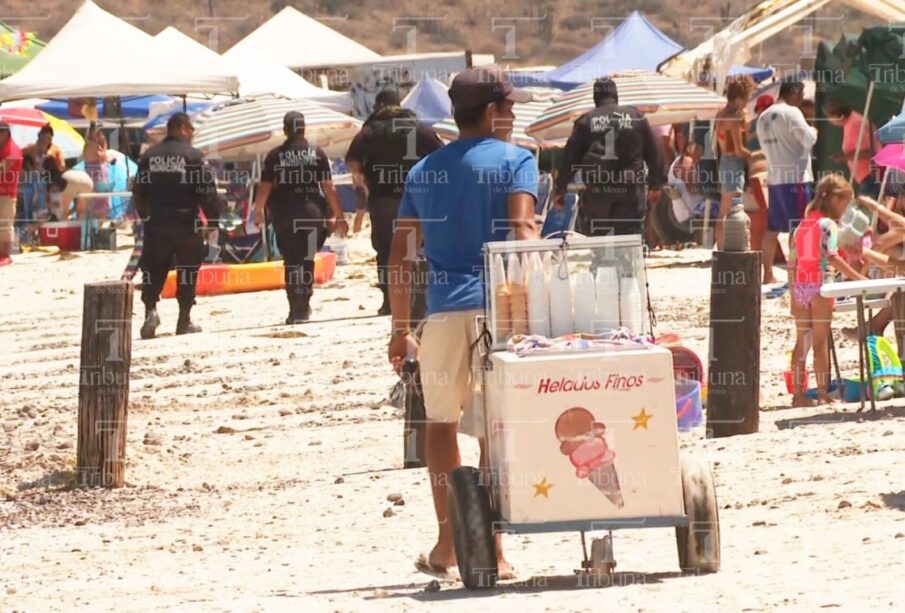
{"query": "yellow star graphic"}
[(641, 420), (542, 488)]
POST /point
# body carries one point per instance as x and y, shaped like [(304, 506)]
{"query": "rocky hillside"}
[(547, 31)]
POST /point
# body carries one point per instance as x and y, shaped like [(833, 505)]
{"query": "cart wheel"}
[(602, 560), (472, 524), (699, 541)]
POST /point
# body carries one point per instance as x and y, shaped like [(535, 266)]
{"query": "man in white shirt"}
[(786, 140)]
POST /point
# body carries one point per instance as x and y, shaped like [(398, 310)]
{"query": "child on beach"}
[(814, 253)]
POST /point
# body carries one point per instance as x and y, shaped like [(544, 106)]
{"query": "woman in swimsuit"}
[(813, 253)]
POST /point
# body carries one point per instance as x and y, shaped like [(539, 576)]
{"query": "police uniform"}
[(298, 213), (173, 183), (611, 145), (391, 141)]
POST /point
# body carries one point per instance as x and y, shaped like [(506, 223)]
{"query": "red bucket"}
[(790, 386), (67, 235)]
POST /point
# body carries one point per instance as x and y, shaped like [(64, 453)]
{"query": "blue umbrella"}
[(893, 131), (429, 100)]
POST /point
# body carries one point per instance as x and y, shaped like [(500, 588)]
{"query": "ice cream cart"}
[(580, 429)]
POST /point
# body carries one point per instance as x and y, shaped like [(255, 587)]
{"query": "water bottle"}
[(584, 302), (337, 244), (737, 228), (607, 294), (630, 304)]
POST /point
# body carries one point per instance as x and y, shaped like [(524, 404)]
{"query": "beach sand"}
[(261, 460)]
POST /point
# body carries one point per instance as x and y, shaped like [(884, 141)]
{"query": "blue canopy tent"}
[(635, 44), (134, 107), (429, 100)]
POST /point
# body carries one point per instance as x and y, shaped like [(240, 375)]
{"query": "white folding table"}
[(860, 290)]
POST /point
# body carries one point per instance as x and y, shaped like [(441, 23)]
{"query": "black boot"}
[(149, 328), (184, 325), (299, 310)]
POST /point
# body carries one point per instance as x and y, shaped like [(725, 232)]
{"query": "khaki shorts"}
[(450, 374)]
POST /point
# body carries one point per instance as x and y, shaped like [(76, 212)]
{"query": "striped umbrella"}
[(525, 114), (246, 128), (25, 123), (663, 99)]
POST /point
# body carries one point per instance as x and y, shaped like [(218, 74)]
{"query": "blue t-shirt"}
[(459, 194)]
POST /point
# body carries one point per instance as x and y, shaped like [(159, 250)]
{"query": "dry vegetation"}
[(555, 32)]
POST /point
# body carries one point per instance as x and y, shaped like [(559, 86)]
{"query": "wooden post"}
[(733, 392), (415, 417), (104, 383), (898, 313)]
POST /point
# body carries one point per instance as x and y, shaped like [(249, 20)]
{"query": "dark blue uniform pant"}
[(383, 212), (168, 243), (301, 232)]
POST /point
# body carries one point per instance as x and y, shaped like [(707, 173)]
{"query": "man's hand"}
[(259, 216), (402, 347), (653, 196)]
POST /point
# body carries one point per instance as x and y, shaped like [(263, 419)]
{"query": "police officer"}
[(173, 182), (611, 145), (297, 188), (390, 142)]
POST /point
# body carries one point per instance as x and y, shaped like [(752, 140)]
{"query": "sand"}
[(262, 460)]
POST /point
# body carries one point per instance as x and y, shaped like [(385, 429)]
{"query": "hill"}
[(545, 31)]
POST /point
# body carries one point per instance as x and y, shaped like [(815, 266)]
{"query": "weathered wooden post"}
[(733, 391), (104, 383)]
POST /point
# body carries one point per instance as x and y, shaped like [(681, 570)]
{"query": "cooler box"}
[(582, 436), (67, 235)]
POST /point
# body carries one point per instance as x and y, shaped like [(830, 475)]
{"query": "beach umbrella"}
[(525, 114), (249, 127), (663, 99), (893, 131), (891, 156), (25, 124)]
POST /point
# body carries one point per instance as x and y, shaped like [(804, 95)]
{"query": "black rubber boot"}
[(149, 328), (184, 325), (299, 310)]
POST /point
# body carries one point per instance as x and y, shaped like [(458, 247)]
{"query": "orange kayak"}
[(215, 279)]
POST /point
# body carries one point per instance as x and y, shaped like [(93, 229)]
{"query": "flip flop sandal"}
[(423, 565)]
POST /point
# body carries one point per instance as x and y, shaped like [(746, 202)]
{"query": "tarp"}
[(17, 48), (256, 76), (880, 60), (291, 38), (635, 44), (98, 54), (429, 100)]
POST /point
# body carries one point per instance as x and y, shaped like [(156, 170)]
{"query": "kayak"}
[(217, 279)]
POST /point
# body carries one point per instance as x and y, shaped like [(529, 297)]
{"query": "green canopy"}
[(832, 64), (17, 48)]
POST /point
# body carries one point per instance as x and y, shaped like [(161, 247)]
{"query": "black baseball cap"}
[(476, 87), (387, 97), (293, 121), (605, 87)]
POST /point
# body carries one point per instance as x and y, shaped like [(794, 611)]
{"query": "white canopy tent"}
[(291, 38), (256, 76), (132, 64), (733, 44)]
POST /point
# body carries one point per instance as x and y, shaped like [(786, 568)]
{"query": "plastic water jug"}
[(737, 228)]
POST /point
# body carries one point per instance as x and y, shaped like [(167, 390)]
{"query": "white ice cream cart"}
[(581, 432)]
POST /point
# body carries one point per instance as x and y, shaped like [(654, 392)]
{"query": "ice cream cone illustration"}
[(582, 439), (606, 480)]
